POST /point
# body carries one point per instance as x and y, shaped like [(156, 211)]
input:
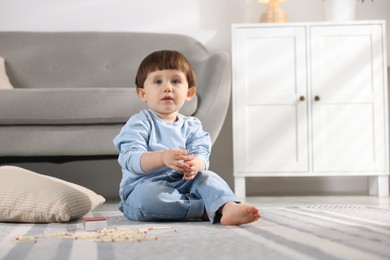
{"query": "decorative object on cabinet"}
[(273, 13), (310, 99)]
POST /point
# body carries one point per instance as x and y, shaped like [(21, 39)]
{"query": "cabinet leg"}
[(239, 187), (379, 185)]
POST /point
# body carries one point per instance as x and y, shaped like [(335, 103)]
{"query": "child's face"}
[(165, 92)]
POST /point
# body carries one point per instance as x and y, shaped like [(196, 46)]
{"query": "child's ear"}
[(190, 93), (141, 93)]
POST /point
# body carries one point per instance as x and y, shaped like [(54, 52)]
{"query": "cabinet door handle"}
[(302, 98), (317, 98)]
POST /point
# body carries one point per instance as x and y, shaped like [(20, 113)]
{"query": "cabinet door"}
[(269, 100), (349, 117)]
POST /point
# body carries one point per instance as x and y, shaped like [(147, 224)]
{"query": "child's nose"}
[(167, 87)]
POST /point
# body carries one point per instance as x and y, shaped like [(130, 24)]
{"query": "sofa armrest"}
[(214, 88)]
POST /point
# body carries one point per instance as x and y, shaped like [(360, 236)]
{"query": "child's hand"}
[(190, 168), (179, 160), (175, 158)]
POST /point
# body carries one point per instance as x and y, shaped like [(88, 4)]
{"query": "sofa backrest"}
[(86, 59)]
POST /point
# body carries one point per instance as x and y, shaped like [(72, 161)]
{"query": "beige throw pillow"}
[(4, 81), (26, 196)]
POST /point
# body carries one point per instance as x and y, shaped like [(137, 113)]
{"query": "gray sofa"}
[(73, 91)]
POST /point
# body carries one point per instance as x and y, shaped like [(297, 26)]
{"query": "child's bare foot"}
[(234, 214)]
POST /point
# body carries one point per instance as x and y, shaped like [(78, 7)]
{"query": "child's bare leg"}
[(234, 214)]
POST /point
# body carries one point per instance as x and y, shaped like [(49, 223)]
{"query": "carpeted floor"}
[(328, 231)]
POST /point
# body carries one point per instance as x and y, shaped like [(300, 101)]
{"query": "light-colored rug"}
[(305, 232)]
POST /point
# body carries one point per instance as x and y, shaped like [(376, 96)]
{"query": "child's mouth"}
[(167, 98)]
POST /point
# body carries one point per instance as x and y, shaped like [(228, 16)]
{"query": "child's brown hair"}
[(164, 60)]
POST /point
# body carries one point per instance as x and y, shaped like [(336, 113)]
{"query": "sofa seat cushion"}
[(73, 106)]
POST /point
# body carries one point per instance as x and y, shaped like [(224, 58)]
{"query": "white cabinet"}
[(310, 99)]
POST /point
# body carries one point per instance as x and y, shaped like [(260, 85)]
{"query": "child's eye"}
[(175, 81), (157, 81)]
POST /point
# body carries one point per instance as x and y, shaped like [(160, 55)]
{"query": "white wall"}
[(208, 21)]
